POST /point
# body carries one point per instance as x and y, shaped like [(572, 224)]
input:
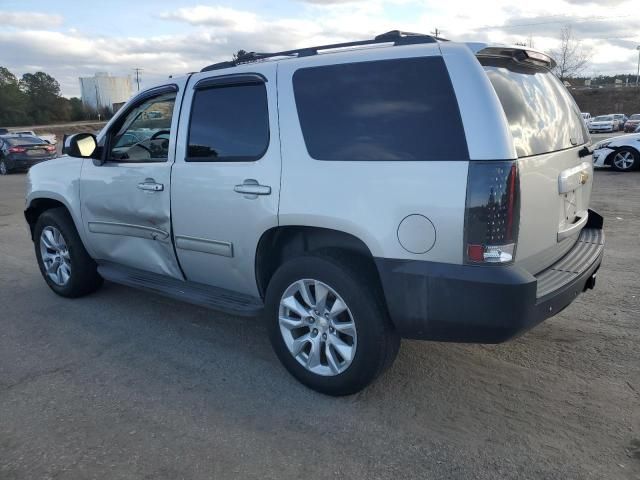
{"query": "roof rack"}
[(396, 37)]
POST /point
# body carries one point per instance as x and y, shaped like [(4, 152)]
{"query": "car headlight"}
[(600, 145)]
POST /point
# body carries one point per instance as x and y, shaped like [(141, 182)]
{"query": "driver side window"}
[(143, 135)]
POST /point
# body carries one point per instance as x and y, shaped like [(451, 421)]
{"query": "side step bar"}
[(196, 293)]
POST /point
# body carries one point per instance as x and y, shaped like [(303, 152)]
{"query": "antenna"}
[(436, 32)]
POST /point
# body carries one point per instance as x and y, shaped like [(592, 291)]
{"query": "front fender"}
[(57, 180)]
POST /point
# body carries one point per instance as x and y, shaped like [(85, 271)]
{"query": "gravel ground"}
[(123, 385)]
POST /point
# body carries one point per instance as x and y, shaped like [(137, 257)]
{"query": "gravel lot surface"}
[(124, 384)]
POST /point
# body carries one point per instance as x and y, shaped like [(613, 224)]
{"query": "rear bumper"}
[(486, 304)]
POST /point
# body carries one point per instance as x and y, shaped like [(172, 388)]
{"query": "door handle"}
[(150, 185), (250, 188)]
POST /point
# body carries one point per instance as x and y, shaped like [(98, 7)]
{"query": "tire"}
[(352, 281), (4, 170), (76, 273), (625, 160)]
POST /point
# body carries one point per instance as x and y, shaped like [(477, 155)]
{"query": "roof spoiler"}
[(515, 52)]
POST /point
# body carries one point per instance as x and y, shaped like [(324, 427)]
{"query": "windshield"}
[(585, 115), (603, 118), (635, 116), (541, 113)]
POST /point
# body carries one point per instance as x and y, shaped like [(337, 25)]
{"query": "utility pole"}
[(436, 32), (638, 71), (97, 102), (137, 70)]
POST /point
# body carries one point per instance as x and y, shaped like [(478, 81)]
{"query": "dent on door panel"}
[(121, 230)]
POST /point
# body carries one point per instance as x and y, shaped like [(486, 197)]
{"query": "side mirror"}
[(81, 145)]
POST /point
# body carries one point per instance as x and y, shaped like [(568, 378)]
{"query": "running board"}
[(191, 292)]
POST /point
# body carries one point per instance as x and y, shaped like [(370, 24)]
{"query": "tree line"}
[(35, 99)]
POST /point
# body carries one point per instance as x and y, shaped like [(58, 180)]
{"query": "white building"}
[(103, 90)]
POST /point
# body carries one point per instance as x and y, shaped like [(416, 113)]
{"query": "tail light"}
[(50, 148), (17, 150), (492, 213)]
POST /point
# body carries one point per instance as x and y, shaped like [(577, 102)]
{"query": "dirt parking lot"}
[(123, 384)]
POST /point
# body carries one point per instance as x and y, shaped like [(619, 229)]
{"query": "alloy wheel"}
[(317, 327), (624, 160), (3, 168), (55, 256)]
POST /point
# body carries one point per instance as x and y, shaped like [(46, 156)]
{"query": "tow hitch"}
[(591, 281)]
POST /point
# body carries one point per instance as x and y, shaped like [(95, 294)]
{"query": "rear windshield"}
[(24, 141), (635, 117), (541, 113), (603, 118)]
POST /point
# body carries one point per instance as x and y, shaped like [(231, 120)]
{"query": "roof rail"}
[(396, 37)]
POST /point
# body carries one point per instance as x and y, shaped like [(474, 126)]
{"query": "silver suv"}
[(352, 194)]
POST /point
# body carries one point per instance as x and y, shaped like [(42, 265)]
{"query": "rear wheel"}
[(327, 323), (64, 263), (624, 160), (4, 170)]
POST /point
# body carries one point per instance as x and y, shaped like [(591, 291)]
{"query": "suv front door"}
[(226, 179), (125, 198)]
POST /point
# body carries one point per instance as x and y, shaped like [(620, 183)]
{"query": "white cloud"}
[(214, 16), (207, 34), (29, 19)]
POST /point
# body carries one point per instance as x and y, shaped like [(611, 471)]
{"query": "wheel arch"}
[(617, 148), (278, 244), (37, 205)]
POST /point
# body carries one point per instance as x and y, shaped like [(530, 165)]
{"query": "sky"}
[(72, 38)]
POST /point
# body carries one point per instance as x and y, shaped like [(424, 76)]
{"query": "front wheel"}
[(4, 170), (64, 263), (327, 323), (624, 160)]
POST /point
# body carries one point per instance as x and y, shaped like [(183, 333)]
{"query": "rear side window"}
[(229, 124), (541, 113), (387, 110)]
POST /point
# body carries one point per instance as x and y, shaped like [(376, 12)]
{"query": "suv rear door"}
[(548, 134), (226, 179)]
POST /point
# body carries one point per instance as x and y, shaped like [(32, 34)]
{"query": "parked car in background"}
[(23, 152), (621, 118), (586, 116), (3, 131), (603, 123), (633, 123), (622, 153)]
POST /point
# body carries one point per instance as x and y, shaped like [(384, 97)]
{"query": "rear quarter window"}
[(389, 110)]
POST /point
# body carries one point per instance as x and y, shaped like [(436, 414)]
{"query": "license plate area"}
[(571, 184)]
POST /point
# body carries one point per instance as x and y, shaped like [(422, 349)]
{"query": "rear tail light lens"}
[(50, 148), (17, 150), (492, 213)]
